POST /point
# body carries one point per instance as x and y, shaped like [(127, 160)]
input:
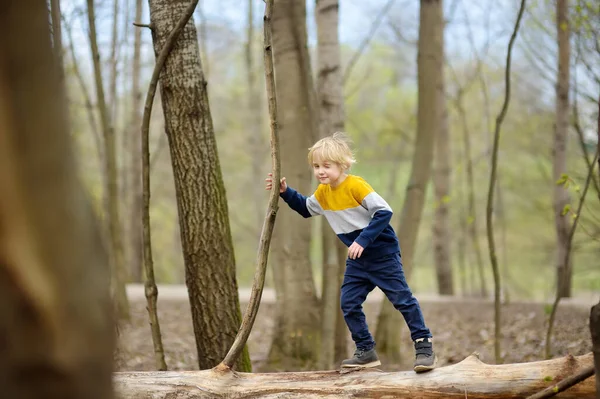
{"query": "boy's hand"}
[(355, 250), (282, 183)]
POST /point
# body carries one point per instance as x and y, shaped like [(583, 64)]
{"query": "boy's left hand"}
[(355, 250)]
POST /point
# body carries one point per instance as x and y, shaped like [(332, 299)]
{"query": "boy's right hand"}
[(282, 184)]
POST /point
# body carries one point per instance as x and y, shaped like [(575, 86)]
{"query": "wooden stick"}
[(269, 223)]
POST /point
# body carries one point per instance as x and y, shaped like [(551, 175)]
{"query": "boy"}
[(360, 218)]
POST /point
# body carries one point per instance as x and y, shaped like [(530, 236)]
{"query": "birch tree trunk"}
[(561, 195), (55, 315), (200, 191), (296, 337), (430, 65), (442, 239), (119, 274), (331, 119), (135, 157)]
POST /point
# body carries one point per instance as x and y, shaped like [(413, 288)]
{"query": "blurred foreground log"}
[(470, 378)]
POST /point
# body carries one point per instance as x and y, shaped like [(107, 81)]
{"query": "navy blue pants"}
[(360, 278)]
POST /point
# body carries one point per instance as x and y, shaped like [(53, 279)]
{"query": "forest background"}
[(379, 52)]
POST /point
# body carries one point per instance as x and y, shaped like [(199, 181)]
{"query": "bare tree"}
[(119, 273), (430, 68), (331, 119), (297, 322), (135, 157), (200, 191), (561, 195), (490, 200), (441, 237), (56, 314)]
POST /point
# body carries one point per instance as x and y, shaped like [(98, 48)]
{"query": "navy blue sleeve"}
[(296, 201), (379, 222)]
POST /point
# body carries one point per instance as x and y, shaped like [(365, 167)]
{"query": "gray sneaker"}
[(425, 358), (362, 358)]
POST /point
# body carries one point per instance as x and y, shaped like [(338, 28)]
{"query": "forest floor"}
[(460, 327)]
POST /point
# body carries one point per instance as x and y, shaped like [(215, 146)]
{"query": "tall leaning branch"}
[(493, 173), (269, 222), (150, 289)]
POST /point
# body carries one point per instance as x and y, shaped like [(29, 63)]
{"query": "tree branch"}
[(363, 45), (269, 223), (140, 25), (564, 384)]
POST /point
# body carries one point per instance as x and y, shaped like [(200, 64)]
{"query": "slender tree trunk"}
[(114, 75), (91, 112), (296, 337), (119, 274), (472, 204), (430, 67), (55, 319), (561, 195), (135, 173), (441, 237), (461, 242), (200, 191), (491, 190), (256, 143), (331, 119)]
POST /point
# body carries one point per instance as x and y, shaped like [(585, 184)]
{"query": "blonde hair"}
[(334, 148)]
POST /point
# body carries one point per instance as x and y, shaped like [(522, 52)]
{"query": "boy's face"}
[(327, 172)]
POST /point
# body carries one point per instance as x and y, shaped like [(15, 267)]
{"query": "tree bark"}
[(430, 63), (441, 237), (135, 157), (470, 378), (331, 119), (201, 199), (119, 274), (296, 336), (56, 323), (561, 195)]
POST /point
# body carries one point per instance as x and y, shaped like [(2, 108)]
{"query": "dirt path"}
[(179, 292)]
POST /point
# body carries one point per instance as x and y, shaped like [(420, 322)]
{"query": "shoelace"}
[(359, 353)]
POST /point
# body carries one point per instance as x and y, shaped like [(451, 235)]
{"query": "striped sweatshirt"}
[(355, 212)]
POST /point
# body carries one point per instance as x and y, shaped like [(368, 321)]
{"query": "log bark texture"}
[(470, 378)]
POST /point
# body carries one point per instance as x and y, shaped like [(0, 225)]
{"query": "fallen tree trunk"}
[(470, 378)]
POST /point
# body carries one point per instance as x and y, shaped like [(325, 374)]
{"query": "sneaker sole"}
[(371, 364), (422, 368)]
